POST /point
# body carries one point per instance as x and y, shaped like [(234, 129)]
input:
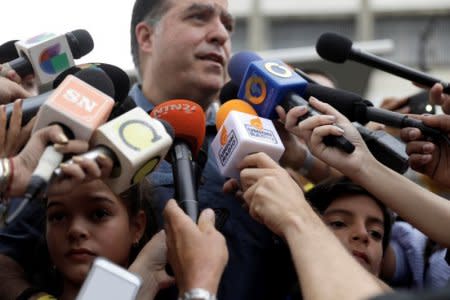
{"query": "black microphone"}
[(355, 108), (337, 49), (385, 148), (188, 121)]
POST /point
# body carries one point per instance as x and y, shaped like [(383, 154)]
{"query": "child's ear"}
[(139, 223)]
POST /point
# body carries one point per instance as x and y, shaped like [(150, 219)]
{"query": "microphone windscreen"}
[(98, 79), (8, 52), (333, 47), (187, 119), (232, 105), (239, 63), (228, 91), (118, 77), (80, 42)]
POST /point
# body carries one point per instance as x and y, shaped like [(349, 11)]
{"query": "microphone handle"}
[(92, 155), (396, 69), (340, 142), (50, 159), (399, 120), (20, 65), (186, 194), (30, 106)]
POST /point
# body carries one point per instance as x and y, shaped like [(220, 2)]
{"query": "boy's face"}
[(189, 48), (88, 222), (358, 222)]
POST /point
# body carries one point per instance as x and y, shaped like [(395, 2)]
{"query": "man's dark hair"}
[(323, 194), (149, 10)]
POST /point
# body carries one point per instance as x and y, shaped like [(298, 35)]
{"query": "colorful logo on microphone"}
[(255, 90), (52, 61)]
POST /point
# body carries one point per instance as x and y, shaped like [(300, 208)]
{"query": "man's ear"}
[(144, 32), (138, 226)]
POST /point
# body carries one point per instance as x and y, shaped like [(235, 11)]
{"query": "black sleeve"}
[(18, 240)]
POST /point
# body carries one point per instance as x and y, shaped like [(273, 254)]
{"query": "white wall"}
[(107, 22)]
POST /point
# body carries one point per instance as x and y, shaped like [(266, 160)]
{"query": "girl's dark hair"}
[(323, 194), (44, 276), (138, 198)]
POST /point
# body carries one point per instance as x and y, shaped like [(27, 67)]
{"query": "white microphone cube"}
[(139, 142), (240, 135), (49, 55), (77, 105)]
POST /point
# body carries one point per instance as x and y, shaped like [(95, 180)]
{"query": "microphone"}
[(241, 132), (355, 108), (117, 76), (135, 142), (46, 55), (337, 49), (266, 84), (189, 123), (385, 148), (79, 109)]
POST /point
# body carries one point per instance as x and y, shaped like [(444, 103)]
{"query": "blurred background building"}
[(412, 32)]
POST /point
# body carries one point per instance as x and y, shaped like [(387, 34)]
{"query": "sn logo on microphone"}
[(77, 98)]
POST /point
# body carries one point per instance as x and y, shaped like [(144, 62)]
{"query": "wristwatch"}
[(197, 294)]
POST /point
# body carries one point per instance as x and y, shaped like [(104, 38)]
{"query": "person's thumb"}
[(206, 220)]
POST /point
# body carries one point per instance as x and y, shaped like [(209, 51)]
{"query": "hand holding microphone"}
[(266, 84), (429, 158), (134, 142), (78, 108), (313, 129)]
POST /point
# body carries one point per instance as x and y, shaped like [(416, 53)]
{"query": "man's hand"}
[(150, 265), (439, 98), (272, 196), (197, 253), (429, 158)]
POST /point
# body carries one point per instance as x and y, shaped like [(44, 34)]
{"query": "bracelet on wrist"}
[(197, 294), (6, 171)]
